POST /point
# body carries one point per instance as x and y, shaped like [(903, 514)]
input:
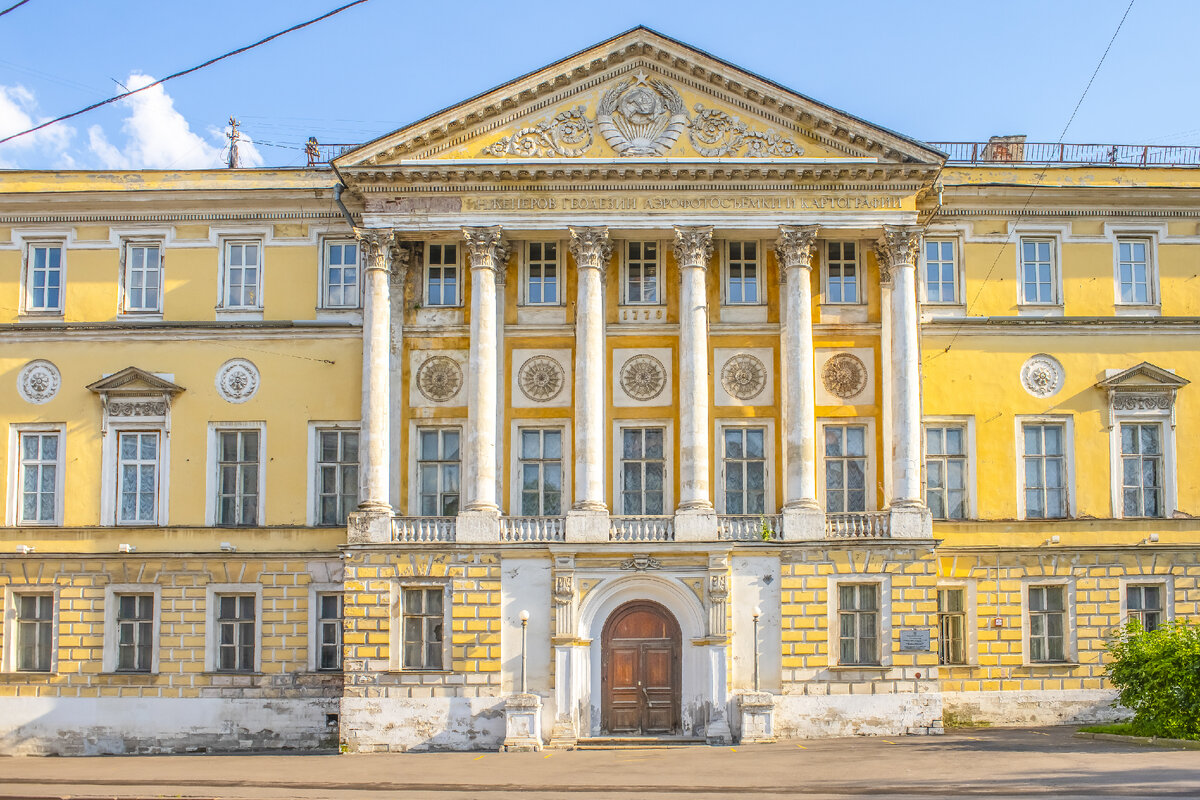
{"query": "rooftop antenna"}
[(233, 142)]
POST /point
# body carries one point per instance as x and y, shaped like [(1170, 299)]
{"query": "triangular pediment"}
[(1141, 377), (641, 95), (132, 380)]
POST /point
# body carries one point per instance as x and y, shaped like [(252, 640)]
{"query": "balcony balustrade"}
[(750, 527), (641, 529), (861, 525), (532, 529), (423, 529)]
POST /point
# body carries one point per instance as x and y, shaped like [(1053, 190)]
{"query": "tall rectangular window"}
[(329, 631), (39, 477), (541, 274), (137, 481), (341, 274), (952, 627), (946, 471), (841, 273), (441, 275), (1144, 603), (940, 271), (858, 623), (541, 472), (237, 477), (1047, 623), (742, 281), (1045, 471), (745, 465), (143, 278), (1141, 469), (845, 468), (337, 475), (641, 272), (35, 631), (438, 466), (242, 274), (1134, 271), (643, 471), (1037, 272), (235, 629), (135, 632), (424, 619), (44, 279)]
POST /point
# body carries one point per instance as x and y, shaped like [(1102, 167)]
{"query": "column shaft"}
[(794, 249), (488, 254), (592, 249), (902, 245), (373, 437), (693, 246)]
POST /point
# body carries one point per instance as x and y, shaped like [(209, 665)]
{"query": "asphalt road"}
[(1022, 763)]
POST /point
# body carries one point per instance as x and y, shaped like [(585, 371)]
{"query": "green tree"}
[(1157, 675)]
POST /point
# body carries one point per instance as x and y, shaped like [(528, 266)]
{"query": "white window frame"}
[(326, 243), (141, 313), (414, 448), (968, 424), (110, 481), (956, 244), (111, 633), (1070, 647), (1153, 304), (315, 590), (1055, 305), (970, 622), (460, 274), (871, 479), (213, 478), (859, 285), (1068, 423), (212, 638), (558, 273), (1170, 487), (726, 276), (1166, 584), (16, 473), (252, 311), (27, 306), (768, 454), (396, 629), (669, 458), (11, 646), (884, 624), (659, 280), (563, 424), (315, 429)]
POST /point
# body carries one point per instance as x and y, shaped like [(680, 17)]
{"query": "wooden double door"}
[(640, 654)]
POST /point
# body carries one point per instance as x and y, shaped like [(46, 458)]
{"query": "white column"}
[(887, 361), (377, 249)]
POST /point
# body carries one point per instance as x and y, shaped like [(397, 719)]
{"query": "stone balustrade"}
[(750, 527), (641, 529), (533, 529), (858, 525)]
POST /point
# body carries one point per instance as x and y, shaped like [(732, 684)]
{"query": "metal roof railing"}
[(1012, 151)]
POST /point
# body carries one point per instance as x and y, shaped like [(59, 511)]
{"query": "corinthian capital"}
[(591, 248), (883, 257), (378, 247), (693, 246), (488, 249), (795, 244), (900, 245)]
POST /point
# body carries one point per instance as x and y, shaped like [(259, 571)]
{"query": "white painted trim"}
[(212, 612), (312, 514), (1054, 236), (413, 445), (760, 267), (123, 278), (8, 663), (224, 311), (15, 499), (109, 482), (719, 427), (971, 621), (563, 424), (883, 582), (523, 273), (396, 622), (314, 629), (43, 240), (870, 479), (670, 458), (325, 241), (111, 607), (1170, 478), (212, 480), (1070, 648), (967, 421), (1165, 581), (1068, 423)]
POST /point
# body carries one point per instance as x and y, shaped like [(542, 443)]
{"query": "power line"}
[(180, 74), (13, 7)]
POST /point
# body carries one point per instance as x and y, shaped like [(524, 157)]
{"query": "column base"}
[(717, 732), (563, 737), (369, 527), (758, 717), (695, 525), (477, 526), (587, 525), (910, 522), (522, 723), (803, 524)]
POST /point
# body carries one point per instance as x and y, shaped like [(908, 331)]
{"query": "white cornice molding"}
[(152, 332)]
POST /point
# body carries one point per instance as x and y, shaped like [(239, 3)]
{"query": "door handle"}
[(644, 692)]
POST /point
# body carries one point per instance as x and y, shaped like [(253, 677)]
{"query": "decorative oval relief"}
[(541, 378), (643, 377), (38, 382), (744, 376), (1042, 375), (237, 380), (439, 378), (844, 375)]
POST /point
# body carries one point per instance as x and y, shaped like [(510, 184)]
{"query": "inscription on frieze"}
[(634, 203)]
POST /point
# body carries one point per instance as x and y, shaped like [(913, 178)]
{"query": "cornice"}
[(1048, 326), (175, 331), (223, 216)]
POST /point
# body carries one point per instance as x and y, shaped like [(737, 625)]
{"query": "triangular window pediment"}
[(133, 380), (135, 395), (1142, 388)]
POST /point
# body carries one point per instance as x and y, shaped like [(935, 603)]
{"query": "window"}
[(243, 273), (1047, 623), (236, 632), (337, 475), (441, 275), (137, 469), (35, 632), (845, 468), (841, 273), (1037, 272), (1133, 267), (237, 477), (745, 466), (1045, 471), (1144, 602), (438, 471), (541, 472), (643, 471), (341, 274), (44, 278), (858, 623), (952, 627), (1141, 469), (329, 631), (423, 621), (946, 471), (641, 272), (541, 274), (143, 278), (38, 479), (742, 275), (940, 271), (135, 632)]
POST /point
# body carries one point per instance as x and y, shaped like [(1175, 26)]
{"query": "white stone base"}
[(1043, 707), (803, 524), (116, 725), (477, 526), (586, 526), (799, 716), (369, 527), (757, 717), (522, 723), (910, 523), (398, 724), (696, 526)]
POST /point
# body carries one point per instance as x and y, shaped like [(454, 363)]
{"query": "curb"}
[(1145, 741)]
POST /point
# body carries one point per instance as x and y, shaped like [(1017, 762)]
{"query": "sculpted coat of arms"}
[(641, 117)]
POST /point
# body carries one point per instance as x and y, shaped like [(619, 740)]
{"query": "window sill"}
[(352, 315), (40, 316), (859, 667), (1137, 310), (240, 314), (140, 316), (116, 673), (1038, 310), (1050, 664)]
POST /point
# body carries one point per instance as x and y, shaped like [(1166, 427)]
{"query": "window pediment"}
[(134, 394), (1144, 388)]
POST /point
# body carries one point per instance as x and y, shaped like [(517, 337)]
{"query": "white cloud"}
[(19, 112)]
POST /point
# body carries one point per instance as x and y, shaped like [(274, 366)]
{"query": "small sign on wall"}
[(914, 640)]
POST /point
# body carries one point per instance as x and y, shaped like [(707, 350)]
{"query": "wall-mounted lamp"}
[(126, 548), (1052, 540), (1151, 539), (757, 613), (25, 549), (226, 547), (524, 627)]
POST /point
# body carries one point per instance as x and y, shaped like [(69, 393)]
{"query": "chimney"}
[(1005, 148)]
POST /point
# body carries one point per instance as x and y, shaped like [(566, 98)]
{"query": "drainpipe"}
[(338, 188)]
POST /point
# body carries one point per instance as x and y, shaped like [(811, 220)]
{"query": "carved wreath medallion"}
[(38, 382), (439, 378), (744, 376), (844, 375), (643, 377), (541, 378), (641, 117), (1042, 375), (237, 380)]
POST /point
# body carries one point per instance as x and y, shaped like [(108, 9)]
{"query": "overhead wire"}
[(13, 7)]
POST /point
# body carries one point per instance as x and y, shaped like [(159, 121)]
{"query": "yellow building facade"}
[(639, 396)]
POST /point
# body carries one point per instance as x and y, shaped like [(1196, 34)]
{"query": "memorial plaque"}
[(914, 640)]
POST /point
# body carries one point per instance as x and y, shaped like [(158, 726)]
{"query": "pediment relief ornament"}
[(568, 134), (135, 393), (1143, 388)]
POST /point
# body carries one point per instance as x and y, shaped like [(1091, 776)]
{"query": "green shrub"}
[(1157, 675)]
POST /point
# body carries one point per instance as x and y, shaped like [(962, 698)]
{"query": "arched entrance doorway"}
[(640, 670)]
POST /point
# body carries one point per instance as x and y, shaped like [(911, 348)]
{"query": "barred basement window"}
[(235, 627), (424, 618), (329, 631), (952, 627), (1047, 623), (858, 618), (1145, 604), (337, 475), (135, 632), (35, 631)]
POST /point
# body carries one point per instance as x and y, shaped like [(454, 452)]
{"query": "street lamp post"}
[(757, 614), (525, 625)]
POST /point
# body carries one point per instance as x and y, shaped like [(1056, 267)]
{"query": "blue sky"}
[(946, 71)]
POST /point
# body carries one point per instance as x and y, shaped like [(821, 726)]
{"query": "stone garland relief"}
[(541, 379), (1042, 375), (643, 377), (440, 378), (38, 382), (237, 380), (744, 376), (844, 375)]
